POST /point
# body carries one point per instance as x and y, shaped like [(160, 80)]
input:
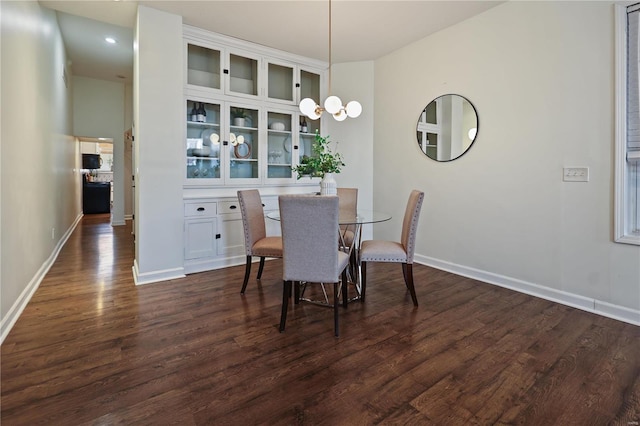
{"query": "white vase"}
[(328, 185), (238, 121)]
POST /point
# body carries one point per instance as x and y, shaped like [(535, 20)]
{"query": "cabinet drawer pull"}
[(232, 207), (200, 209), (263, 205)]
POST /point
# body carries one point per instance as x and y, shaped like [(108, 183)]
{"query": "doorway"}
[(97, 175)]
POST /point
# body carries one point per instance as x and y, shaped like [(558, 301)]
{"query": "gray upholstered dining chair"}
[(398, 252), (348, 205), (309, 228), (256, 242)]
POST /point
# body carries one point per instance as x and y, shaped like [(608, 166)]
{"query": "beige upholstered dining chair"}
[(309, 227), (348, 204), (398, 252), (256, 242)]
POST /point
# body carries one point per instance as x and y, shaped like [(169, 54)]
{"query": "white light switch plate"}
[(575, 174)]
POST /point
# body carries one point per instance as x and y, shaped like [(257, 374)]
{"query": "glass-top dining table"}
[(361, 218), (348, 223)]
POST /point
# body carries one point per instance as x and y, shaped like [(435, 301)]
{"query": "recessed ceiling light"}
[(110, 40)]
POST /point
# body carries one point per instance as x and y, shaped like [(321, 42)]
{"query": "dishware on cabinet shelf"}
[(242, 151), (202, 160), (205, 151), (279, 126), (211, 139), (280, 133)]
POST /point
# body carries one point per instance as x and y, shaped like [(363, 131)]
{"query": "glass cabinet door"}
[(307, 137), (280, 83), (203, 66), (280, 152), (203, 140), (243, 143), (243, 75), (309, 85)]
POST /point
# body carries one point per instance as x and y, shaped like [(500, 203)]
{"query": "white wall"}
[(128, 152), (354, 81), (40, 182), (158, 118), (540, 75), (99, 111)]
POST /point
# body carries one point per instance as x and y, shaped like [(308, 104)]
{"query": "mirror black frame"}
[(419, 131)]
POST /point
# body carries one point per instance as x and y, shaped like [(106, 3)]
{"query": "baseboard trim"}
[(200, 265), (594, 306), (155, 276), (9, 320)]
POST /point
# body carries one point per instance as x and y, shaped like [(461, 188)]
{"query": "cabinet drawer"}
[(200, 209), (227, 207)]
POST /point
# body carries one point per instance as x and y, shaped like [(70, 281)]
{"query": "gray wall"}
[(159, 120), (354, 137), (540, 75), (40, 183)]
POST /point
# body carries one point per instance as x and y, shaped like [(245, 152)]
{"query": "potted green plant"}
[(323, 159), (239, 115), (323, 162), (306, 168)]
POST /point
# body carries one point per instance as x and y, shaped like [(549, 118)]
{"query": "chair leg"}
[(261, 267), (409, 282), (335, 310), (296, 292), (247, 272), (345, 285), (363, 282), (286, 292), (404, 273), (353, 264)]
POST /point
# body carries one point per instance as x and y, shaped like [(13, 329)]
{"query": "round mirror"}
[(447, 127)]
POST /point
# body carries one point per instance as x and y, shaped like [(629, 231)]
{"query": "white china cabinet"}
[(243, 129), (251, 132)]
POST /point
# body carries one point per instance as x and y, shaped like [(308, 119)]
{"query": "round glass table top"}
[(362, 217)]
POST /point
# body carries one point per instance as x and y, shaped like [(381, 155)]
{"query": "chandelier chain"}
[(330, 47), (332, 104)]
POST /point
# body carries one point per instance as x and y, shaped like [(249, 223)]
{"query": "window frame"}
[(622, 185)]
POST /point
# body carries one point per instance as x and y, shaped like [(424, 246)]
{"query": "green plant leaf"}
[(323, 160)]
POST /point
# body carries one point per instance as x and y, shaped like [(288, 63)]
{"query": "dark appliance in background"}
[(96, 196), (91, 161)]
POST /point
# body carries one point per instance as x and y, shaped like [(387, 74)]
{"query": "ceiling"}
[(360, 29)]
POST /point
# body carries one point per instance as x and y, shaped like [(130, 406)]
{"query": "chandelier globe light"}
[(333, 104)]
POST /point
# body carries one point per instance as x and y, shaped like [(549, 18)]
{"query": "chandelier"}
[(333, 104)]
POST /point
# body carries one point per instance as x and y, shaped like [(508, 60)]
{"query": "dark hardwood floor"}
[(92, 348)]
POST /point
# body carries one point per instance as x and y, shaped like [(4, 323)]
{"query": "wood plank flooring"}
[(91, 348)]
